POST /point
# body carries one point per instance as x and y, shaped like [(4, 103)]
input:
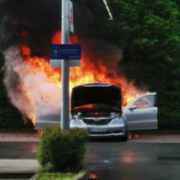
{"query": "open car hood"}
[(106, 95)]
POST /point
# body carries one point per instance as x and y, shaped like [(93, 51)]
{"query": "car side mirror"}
[(133, 107)]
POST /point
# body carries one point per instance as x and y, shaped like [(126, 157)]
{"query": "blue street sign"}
[(65, 51)]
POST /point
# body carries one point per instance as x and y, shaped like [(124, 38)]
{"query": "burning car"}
[(97, 108)]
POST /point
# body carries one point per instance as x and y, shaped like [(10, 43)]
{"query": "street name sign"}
[(59, 52)]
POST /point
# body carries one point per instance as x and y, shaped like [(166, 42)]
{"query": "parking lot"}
[(145, 156)]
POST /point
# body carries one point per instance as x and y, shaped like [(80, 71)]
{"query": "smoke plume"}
[(35, 22), (28, 29)]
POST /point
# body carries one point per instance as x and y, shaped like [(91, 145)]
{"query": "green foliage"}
[(148, 31), (56, 176), (62, 151)]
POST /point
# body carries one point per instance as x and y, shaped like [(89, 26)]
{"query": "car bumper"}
[(103, 131), (111, 130)]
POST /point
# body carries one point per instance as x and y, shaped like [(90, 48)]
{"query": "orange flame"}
[(92, 176), (88, 72)]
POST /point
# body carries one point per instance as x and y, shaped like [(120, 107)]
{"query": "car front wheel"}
[(125, 137)]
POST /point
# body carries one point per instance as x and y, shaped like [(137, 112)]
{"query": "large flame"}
[(88, 72)]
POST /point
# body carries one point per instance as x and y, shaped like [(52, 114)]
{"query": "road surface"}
[(113, 160)]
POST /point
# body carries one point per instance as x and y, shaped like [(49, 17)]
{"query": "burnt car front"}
[(97, 108)]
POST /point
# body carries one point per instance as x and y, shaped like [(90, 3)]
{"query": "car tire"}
[(125, 137)]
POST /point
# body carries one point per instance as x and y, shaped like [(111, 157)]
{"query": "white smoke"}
[(36, 96)]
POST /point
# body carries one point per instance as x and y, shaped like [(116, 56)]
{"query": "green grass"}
[(56, 176)]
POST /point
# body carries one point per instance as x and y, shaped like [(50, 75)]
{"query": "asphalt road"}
[(112, 160)]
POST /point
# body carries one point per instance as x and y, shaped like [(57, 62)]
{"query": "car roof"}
[(96, 85)]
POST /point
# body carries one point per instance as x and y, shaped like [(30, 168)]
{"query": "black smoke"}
[(33, 22)]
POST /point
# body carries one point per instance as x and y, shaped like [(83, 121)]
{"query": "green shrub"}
[(62, 151), (12, 119)]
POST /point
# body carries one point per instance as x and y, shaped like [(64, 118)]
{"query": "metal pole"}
[(65, 67)]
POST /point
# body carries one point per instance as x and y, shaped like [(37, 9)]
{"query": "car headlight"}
[(76, 119), (114, 115), (117, 121), (76, 122), (77, 116)]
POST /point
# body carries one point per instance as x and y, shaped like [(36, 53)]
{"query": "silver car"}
[(97, 108)]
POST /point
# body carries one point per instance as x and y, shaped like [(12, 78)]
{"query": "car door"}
[(142, 113)]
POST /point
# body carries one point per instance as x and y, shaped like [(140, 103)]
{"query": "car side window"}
[(145, 102)]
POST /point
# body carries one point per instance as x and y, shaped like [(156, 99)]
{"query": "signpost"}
[(63, 56), (65, 67), (66, 55), (59, 52)]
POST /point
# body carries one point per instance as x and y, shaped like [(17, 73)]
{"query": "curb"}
[(35, 176), (82, 175)]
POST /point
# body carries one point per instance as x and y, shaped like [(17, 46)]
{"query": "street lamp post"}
[(65, 67)]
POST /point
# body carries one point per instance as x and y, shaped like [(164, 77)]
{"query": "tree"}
[(148, 31)]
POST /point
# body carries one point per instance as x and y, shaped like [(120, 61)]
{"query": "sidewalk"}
[(155, 136), (18, 166), (163, 136), (19, 137), (135, 138)]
